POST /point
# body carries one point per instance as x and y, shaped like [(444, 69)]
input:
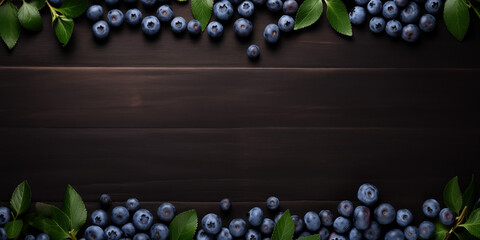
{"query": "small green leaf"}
[(53, 229), (14, 228), (73, 8), (74, 208), (21, 197), (337, 16), (64, 29), (56, 214), (9, 24), (284, 228), (473, 223), (456, 17), (469, 196), (29, 17), (39, 4), (312, 237), (440, 231), (452, 196), (202, 11), (184, 225), (308, 13)]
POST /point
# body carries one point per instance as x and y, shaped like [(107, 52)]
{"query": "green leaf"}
[(308, 13), (14, 228), (74, 208), (456, 17), (202, 11), (184, 225), (452, 196), (9, 24), (284, 228), (440, 231), (21, 197), (73, 8), (473, 223), (39, 4), (312, 237), (29, 17), (64, 29), (464, 235), (53, 229), (469, 196), (337, 16), (56, 214)]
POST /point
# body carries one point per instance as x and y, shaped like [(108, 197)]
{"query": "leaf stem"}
[(1, 2), (459, 221)]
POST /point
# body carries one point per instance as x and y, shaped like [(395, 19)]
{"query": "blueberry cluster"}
[(223, 11), (405, 18), (5, 216)]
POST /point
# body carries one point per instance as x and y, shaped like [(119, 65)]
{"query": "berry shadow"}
[(101, 42), (152, 38)]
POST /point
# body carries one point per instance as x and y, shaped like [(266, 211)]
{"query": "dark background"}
[(193, 120)]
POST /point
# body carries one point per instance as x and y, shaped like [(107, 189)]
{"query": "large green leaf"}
[(74, 208), (440, 231), (21, 198), (29, 17), (308, 13), (464, 235), (312, 237), (53, 229), (337, 16), (456, 17), (73, 8), (9, 24), (469, 196), (184, 225), (473, 223), (47, 210), (285, 227), (14, 228), (64, 29), (202, 11), (452, 196)]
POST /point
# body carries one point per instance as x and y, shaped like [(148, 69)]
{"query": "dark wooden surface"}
[(193, 120)]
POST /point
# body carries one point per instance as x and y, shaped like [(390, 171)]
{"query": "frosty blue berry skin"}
[(433, 6), (271, 34), (143, 220), (404, 217), (411, 13), (115, 18), (215, 29), (447, 216), (111, 3), (367, 194), (133, 17), (361, 217), (312, 221), (42, 236), (150, 25), (273, 203), (211, 223), (411, 33), (298, 221), (141, 236), (255, 216), (128, 230), (237, 227), (223, 10), (29, 237), (120, 215), (374, 7), (165, 13), (304, 234), (278, 216), (159, 231), (411, 233), (149, 3), (225, 204), (243, 27), (341, 225), (385, 213), (113, 233), (426, 230), (336, 236), (132, 204), (195, 28), (99, 218), (290, 7), (94, 233), (267, 226), (166, 212), (94, 13), (105, 200), (224, 234), (390, 10), (4, 215), (393, 28), (427, 23), (373, 232), (394, 234), (326, 218), (401, 3), (202, 235), (100, 30), (357, 15), (354, 234), (253, 234), (253, 51), (377, 24), (345, 208), (246, 9), (286, 23), (178, 25), (361, 2), (324, 233), (274, 5)]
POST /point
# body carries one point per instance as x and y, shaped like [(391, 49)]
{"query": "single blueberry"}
[(326, 217), (99, 218), (120, 215), (111, 2), (4, 215), (404, 217), (411, 233), (94, 12), (150, 26), (354, 234), (341, 225), (345, 208), (394, 234), (246, 9), (242, 27), (410, 13), (374, 7), (253, 51), (385, 213), (361, 217), (211, 223), (94, 233), (194, 27), (128, 230), (223, 10), (132, 204), (141, 236), (273, 203), (133, 17), (278, 216), (43, 236), (100, 29), (215, 29), (255, 216), (361, 2), (367, 194), (149, 3), (237, 227), (225, 203), (113, 233), (427, 23), (224, 234), (143, 219), (159, 232), (304, 234), (178, 25), (267, 226), (324, 233), (447, 216), (115, 18), (390, 10), (274, 5), (29, 237), (393, 28), (336, 236), (433, 6), (105, 199), (271, 33), (377, 24), (312, 221), (411, 33), (286, 23), (165, 13), (357, 15), (373, 232), (298, 221), (166, 211), (426, 230), (252, 234), (290, 7), (401, 3), (202, 235)]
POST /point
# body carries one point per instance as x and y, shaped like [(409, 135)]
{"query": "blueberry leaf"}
[(39, 4), (14, 228), (469, 196), (29, 17), (311, 237), (74, 208), (452, 196), (202, 11), (73, 8), (9, 24), (50, 211), (456, 17), (21, 197), (64, 29), (284, 228), (184, 225), (440, 231), (473, 223), (53, 229), (337, 16), (308, 13)]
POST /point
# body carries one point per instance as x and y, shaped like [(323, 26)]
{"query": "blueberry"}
[(94, 12), (298, 223), (100, 29), (133, 17), (278, 216), (447, 217), (165, 13), (304, 234), (159, 232), (255, 216), (113, 233), (224, 234), (29, 237), (149, 3), (223, 10), (394, 234), (345, 208), (354, 234), (120, 215), (252, 234), (166, 211), (373, 232), (411, 233), (246, 9), (374, 7), (273, 203), (178, 25), (43, 236), (404, 217), (143, 219), (433, 6), (361, 2), (94, 233), (393, 28), (367, 194), (194, 27), (237, 227), (336, 236), (385, 213), (271, 33), (253, 51), (115, 18), (410, 13), (128, 230), (267, 226), (377, 24), (215, 29), (132, 204), (57, 3), (141, 236), (259, 2), (361, 217), (111, 2), (427, 23), (242, 27), (426, 230), (312, 221), (341, 225), (323, 233), (150, 25), (274, 5), (290, 7), (3, 234), (99, 218), (411, 33), (105, 199), (357, 15), (286, 23), (211, 223), (390, 10), (326, 218), (225, 203), (401, 3), (202, 235), (4, 215)]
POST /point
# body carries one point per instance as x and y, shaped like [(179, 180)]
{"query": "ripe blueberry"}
[(4, 215), (447, 216), (394, 234), (246, 9), (94, 12), (94, 233), (149, 3), (132, 204), (354, 234), (304, 234), (253, 51), (367, 194), (377, 25), (373, 232), (290, 7), (242, 27), (223, 10), (341, 225), (267, 226), (271, 33), (57, 3), (237, 227), (374, 7), (433, 6), (324, 233), (128, 230), (411, 233), (326, 217), (410, 13), (401, 3), (100, 29), (142, 219), (99, 218), (390, 10), (178, 25), (286, 23), (426, 230), (43, 236), (252, 234), (224, 234), (115, 18), (113, 233), (361, 2), (255, 216), (225, 204), (357, 15), (273, 203), (411, 33), (141, 236), (361, 217), (150, 25), (159, 232), (298, 221), (427, 23), (404, 217), (274, 5), (194, 27), (211, 223), (120, 215), (133, 17), (105, 199), (165, 13), (202, 235), (3, 234), (345, 208), (393, 28), (29, 237), (336, 236), (384, 213), (312, 221), (166, 212), (215, 29)]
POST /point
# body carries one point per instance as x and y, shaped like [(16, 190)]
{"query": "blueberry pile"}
[(405, 18), (223, 11)]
